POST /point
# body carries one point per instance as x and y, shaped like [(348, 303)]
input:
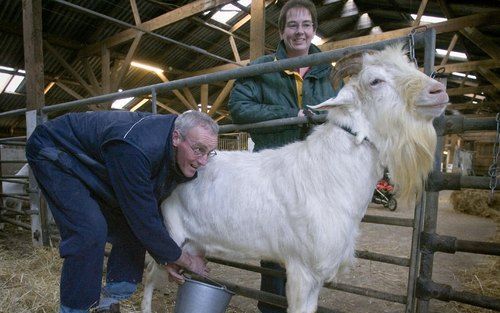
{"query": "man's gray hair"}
[(191, 119)]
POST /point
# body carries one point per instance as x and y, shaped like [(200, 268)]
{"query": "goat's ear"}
[(343, 99), (328, 104)]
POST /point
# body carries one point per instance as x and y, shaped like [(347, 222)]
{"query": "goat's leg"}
[(312, 299), (154, 274), (302, 289)]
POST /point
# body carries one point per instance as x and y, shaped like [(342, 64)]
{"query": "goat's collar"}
[(350, 131)]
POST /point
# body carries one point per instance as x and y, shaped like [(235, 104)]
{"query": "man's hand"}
[(193, 263), (174, 273)]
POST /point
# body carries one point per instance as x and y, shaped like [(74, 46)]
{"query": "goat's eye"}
[(375, 82)]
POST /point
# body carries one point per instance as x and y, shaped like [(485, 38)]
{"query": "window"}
[(228, 11), (9, 81)]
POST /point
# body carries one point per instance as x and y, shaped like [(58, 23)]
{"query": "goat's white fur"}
[(301, 205)]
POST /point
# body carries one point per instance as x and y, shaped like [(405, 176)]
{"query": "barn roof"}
[(188, 41)]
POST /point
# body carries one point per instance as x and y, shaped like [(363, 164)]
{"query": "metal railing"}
[(420, 285)]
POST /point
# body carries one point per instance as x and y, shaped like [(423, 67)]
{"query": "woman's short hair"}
[(297, 4)]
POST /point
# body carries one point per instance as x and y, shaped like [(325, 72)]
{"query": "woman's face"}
[(299, 31)]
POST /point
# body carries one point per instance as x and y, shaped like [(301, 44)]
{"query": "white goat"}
[(15, 188), (301, 205)]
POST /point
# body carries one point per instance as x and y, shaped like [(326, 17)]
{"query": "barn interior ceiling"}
[(92, 48)]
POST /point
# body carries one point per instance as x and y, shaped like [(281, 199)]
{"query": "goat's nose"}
[(436, 88)]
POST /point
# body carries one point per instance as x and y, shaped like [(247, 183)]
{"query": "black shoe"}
[(113, 308)]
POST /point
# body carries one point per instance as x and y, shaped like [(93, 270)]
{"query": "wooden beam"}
[(105, 70), (221, 97), (135, 12), (33, 53), (489, 18), (189, 96), (68, 90), (220, 118), (114, 72), (128, 59), (69, 68), (483, 42), (240, 23), (257, 29), (464, 90), (166, 19), (204, 97), (233, 29), (453, 42), (235, 49), (460, 81), (490, 76), (216, 69), (469, 66), (17, 30), (166, 107), (177, 93), (420, 12), (484, 136), (138, 105), (455, 67), (494, 106), (91, 76)]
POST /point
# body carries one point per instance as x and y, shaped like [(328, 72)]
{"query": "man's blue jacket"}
[(126, 160)]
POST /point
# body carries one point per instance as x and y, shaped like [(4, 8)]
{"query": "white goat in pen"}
[(301, 205), (15, 188)]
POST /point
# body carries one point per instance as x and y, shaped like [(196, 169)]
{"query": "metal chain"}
[(440, 70), (411, 46), (411, 42), (492, 171)]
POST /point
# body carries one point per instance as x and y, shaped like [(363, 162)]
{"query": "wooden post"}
[(33, 63), (257, 29), (204, 98)]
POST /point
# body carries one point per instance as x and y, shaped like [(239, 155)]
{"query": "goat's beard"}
[(412, 158)]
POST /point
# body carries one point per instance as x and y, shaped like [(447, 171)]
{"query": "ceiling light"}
[(463, 75), (121, 103), (429, 19), (49, 86), (146, 67), (453, 54)]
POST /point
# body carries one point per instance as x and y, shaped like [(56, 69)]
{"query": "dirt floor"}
[(29, 277)]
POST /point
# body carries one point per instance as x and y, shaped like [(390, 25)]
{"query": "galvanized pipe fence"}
[(420, 286), (9, 215)]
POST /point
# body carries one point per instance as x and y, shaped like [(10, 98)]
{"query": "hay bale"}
[(475, 202)]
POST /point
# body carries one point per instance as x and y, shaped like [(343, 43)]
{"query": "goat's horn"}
[(347, 66)]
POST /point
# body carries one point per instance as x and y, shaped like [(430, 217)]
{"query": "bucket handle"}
[(210, 280)]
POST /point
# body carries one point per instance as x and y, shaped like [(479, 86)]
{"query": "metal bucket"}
[(200, 297)]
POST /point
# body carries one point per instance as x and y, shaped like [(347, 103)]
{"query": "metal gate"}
[(420, 287)]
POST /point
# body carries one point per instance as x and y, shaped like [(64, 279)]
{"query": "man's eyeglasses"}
[(200, 152)]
